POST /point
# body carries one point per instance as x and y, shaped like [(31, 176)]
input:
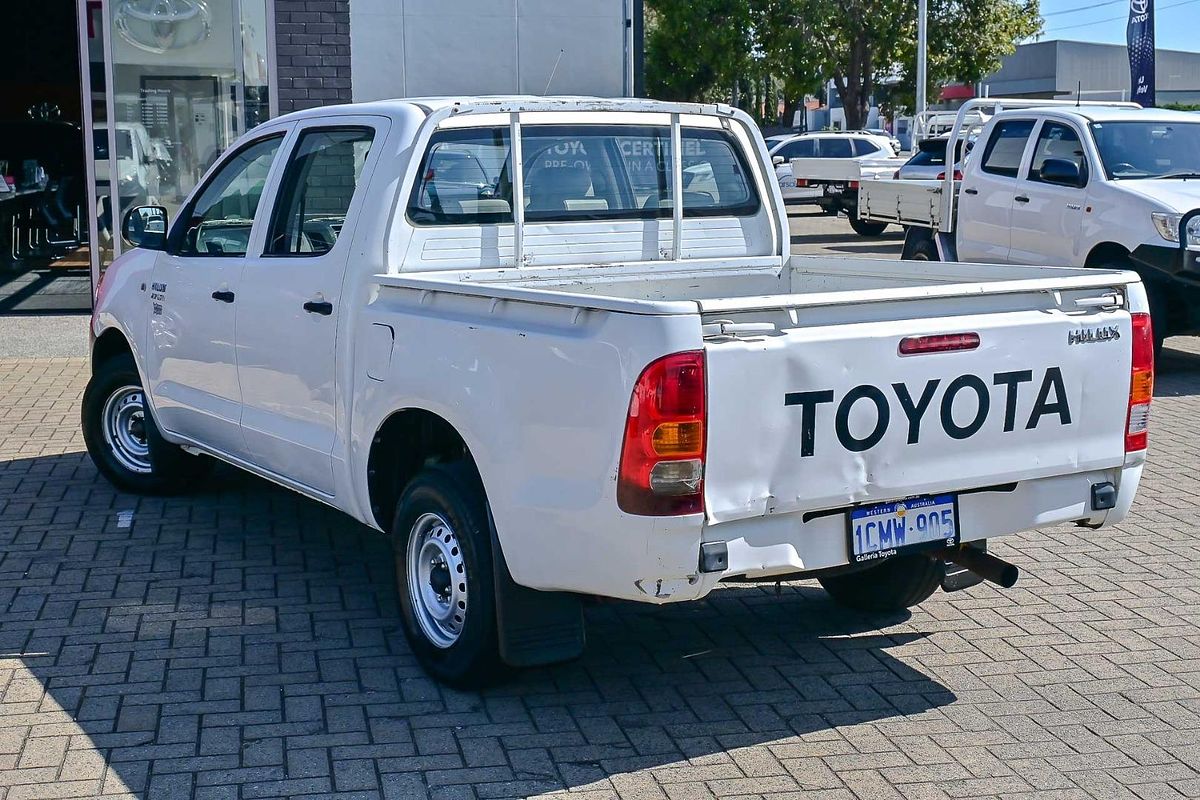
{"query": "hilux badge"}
[(1105, 333)]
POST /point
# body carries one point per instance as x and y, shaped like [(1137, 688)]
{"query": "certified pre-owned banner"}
[(1139, 35)]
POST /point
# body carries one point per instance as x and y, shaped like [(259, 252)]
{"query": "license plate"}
[(902, 526)]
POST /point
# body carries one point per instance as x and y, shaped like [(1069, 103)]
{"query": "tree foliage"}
[(699, 49), (695, 49)]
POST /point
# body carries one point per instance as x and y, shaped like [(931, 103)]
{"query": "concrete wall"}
[(409, 48)]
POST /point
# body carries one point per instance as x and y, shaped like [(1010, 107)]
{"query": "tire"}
[(448, 608), (898, 583), (1156, 295), (924, 251), (124, 440), (865, 228)]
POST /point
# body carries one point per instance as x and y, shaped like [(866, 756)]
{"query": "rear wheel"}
[(898, 583), (444, 570), (123, 439), (864, 228), (924, 251)]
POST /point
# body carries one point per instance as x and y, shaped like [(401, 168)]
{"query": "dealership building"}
[(144, 95), (1061, 68)]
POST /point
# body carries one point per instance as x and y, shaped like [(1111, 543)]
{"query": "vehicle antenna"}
[(1078, 92), (552, 71)]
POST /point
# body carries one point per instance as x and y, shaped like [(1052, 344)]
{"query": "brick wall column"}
[(312, 53)]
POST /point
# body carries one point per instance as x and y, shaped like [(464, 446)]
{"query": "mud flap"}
[(957, 577), (534, 628)]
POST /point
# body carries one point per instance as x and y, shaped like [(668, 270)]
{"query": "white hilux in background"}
[(1066, 184), (558, 347)]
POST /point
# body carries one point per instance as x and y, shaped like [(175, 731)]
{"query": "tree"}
[(788, 53), (861, 42), (695, 49)]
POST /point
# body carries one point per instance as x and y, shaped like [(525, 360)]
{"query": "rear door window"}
[(836, 148), (802, 148), (1004, 150)]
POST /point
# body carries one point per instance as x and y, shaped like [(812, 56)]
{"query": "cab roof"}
[(1102, 113), (509, 103)]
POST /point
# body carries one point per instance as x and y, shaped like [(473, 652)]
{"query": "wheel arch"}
[(1106, 253), (110, 344), (405, 442)]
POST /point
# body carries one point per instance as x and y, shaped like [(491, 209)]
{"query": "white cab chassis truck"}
[(556, 348), (1108, 185)]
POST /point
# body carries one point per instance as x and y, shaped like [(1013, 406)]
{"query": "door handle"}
[(319, 307), (1021, 198), (970, 191), (223, 296)]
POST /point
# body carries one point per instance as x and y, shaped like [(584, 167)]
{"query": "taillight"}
[(801, 182), (958, 176), (1141, 384), (662, 457), (853, 184)]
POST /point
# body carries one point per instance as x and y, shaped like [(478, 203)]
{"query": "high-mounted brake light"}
[(662, 457), (1141, 384), (940, 343)]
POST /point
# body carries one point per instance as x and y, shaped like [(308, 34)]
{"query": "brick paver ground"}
[(244, 643)]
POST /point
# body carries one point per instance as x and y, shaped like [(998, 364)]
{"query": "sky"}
[(1176, 22)]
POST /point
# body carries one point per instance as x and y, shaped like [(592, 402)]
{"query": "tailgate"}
[(824, 412)]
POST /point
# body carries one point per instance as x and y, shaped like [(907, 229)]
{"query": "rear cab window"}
[(579, 172)]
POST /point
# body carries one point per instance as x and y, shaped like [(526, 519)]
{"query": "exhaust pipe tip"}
[(985, 565)]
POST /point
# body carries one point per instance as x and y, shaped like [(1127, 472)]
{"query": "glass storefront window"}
[(188, 78)]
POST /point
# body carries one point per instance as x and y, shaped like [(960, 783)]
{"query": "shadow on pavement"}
[(245, 638)]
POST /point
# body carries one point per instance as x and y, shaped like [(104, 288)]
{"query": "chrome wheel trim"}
[(124, 423), (437, 580)]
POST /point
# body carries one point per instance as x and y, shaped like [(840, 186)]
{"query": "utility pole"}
[(922, 46)]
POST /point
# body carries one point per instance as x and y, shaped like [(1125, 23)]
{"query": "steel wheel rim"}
[(124, 425), (437, 580)]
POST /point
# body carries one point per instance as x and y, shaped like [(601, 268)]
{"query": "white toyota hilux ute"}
[(607, 377), (1065, 184)]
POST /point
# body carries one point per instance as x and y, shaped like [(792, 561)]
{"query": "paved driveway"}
[(243, 643)]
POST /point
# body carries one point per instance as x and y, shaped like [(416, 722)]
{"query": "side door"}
[(986, 196), (191, 364), (291, 302), (1046, 217)]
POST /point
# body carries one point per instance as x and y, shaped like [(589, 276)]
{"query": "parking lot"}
[(241, 642)]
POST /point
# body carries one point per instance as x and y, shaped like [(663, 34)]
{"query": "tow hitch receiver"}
[(981, 563)]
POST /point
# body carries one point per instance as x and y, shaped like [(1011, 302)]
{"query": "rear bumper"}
[(798, 543), (657, 559), (794, 544)]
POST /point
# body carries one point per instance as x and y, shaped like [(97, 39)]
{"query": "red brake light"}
[(662, 457), (958, 176), (853, 184), (940, 343), (1141, 384), (801, 182)]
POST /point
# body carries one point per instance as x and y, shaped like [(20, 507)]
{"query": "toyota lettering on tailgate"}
[(913, 406)]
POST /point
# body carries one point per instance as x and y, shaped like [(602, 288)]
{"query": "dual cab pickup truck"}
[(556, 348), (1064, 184)]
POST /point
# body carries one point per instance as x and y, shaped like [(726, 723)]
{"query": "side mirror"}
[(145, 227), (778, 161), (1061, 172)]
